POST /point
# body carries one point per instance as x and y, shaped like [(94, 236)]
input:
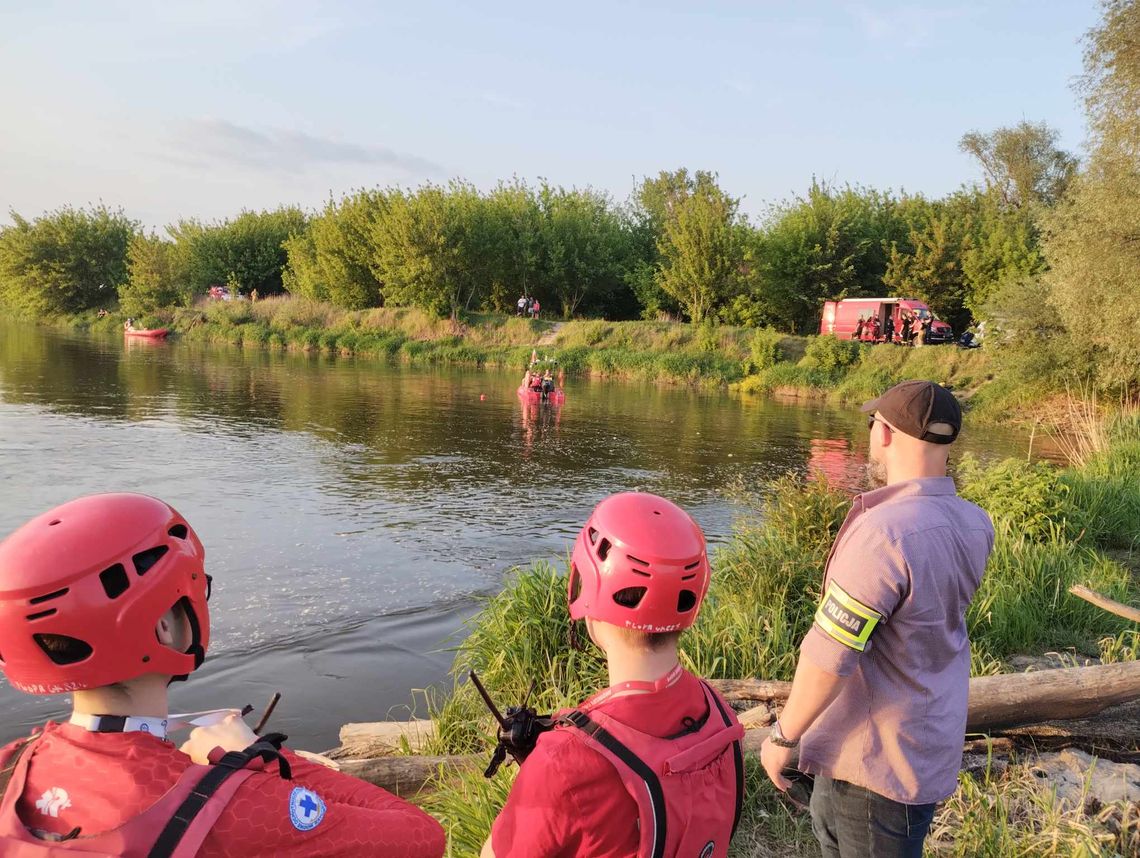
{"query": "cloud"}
[(908, 25), (219, 141)]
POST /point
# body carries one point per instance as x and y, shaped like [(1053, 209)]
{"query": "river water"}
[(354, 512)]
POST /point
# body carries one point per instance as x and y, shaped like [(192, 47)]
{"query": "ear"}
[(164, 630)]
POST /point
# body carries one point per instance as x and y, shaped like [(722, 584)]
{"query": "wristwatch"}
[(777, 737)]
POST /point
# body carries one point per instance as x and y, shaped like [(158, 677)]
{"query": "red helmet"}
[(639, 563), (83, 586)]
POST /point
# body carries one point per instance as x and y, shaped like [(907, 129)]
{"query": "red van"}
[(841, 318)]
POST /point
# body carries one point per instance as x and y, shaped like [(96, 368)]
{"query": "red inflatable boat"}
[(150, 333), (555, 397)]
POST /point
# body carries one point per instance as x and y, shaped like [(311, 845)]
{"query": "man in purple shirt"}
[(878, 706)]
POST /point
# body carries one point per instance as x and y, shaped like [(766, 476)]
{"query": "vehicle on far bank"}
[(841, 319)]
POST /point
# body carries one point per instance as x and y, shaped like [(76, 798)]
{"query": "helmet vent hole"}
[(41, 614), (36, 600), (693, 565), (179, 531), (54, 522), (603, 549), (636, 559), (686, 601), (62, 649), (575, 583), (115, 581), (145, 559), (593, 534), (688, 577), (630, 597)]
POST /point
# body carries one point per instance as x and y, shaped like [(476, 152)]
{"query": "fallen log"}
[(406, 776), (381, 738), (1005, 700), (1110, 605), (1012, 699)]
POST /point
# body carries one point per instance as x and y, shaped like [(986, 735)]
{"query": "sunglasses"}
[(872, 420)]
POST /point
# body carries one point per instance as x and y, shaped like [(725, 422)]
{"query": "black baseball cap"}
[(921, 409)]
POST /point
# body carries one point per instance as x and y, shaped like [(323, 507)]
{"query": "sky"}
[(202, 108)]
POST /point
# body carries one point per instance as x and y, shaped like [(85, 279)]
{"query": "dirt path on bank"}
[(548, 338)]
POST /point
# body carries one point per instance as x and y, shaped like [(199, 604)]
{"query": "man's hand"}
[(229, 734), (775, 759)]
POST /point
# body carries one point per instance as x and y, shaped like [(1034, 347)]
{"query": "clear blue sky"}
[(198, 108)]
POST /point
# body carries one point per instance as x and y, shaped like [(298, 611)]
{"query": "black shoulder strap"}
[(13, 761), (266, 748), (637, 765), (737, 758)]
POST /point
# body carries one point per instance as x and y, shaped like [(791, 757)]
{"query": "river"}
[(354, 512)]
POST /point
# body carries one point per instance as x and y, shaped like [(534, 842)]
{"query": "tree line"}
[(1042, 246), (679, 246)]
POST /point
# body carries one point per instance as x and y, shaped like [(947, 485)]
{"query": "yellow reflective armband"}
[(846, 619)]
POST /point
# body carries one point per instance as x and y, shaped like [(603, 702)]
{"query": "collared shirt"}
[(912, 554)]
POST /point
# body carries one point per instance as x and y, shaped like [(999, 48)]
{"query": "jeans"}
[(852, 822)]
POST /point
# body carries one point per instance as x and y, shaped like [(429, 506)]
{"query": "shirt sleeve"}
[(271, 816), (867, 580), (566, 801)]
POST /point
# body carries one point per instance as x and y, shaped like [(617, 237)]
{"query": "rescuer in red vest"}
[(104, 598), (650, 766)]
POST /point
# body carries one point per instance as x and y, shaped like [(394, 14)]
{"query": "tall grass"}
[(1015, 814)]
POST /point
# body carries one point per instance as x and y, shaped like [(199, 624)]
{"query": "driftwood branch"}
[(1110, 605)]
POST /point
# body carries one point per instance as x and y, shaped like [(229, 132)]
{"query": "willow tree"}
[(1093, 237)]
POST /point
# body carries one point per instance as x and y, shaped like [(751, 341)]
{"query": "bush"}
[(1022, 498), (830, 354), (764, 351)]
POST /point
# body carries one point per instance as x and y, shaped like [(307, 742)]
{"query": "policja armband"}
[(844, 618)]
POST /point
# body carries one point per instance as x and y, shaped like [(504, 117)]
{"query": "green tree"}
[(1093, 238), (332, 260), (830, 244), (248, 249), (1023, 164), (583, 248), (652, 203), (700, 251), (514, 235), (156, 276), (64, 261), (425, 248), (958, 249)]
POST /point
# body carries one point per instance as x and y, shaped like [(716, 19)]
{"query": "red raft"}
[(555, 397), (149, 333)]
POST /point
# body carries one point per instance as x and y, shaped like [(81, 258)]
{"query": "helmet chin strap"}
[(155, 726)]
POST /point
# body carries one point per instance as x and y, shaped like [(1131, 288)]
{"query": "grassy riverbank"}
[(1054, 527), (657, 351), (751, 361)]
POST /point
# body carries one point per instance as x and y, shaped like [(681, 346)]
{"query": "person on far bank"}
[(877, 709), (104, 599), (652, 766)]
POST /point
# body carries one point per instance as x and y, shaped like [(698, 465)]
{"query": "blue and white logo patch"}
[(306, 809)]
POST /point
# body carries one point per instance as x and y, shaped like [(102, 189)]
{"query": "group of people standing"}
[(105, 599), (912, 329), (527, 306)]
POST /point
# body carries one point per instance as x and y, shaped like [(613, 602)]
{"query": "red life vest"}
[(175, 826), (682, 784)]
